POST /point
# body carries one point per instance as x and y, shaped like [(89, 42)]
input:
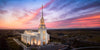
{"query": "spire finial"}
[(42, 13), (42, 10)]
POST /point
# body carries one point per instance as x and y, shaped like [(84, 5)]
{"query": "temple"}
[(36, 38)]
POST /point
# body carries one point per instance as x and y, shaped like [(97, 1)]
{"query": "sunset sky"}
[(58, 14)]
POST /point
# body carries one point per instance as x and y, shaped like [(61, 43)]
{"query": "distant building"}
[(36, 38)]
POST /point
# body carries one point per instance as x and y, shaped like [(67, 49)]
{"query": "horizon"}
[(60, 14), (59, 29)]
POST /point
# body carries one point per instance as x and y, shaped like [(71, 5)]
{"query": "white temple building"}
[(36, 38)]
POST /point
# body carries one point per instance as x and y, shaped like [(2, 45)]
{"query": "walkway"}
[(21, 44)]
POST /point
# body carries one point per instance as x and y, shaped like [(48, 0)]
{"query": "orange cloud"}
[(85, 22), (91, 17), (92, 21), (87, 19), (85, 25)]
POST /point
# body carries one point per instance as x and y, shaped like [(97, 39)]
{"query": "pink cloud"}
[(21, 22)]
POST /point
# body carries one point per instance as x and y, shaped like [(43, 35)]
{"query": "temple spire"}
[(42, 19), (42, 10)]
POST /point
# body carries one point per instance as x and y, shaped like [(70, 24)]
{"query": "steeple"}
[(42, 23), (42, 11), (42, 30), (42, 19)]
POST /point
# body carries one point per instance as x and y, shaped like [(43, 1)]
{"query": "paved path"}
[(21, 44)]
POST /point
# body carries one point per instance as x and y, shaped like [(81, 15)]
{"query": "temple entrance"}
[(43, 43), (34, 41)]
